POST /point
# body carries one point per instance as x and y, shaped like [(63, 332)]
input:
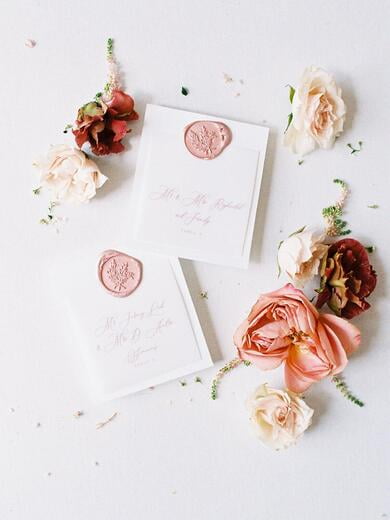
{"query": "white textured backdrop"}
[(172, 453)]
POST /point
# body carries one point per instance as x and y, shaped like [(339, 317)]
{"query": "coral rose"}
[(347, 279), (104, 124), (284, 327)]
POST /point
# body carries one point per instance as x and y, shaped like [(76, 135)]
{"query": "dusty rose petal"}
[(348, 334)]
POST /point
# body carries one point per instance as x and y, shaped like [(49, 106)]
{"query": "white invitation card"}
[(140, 340), (195, 196)]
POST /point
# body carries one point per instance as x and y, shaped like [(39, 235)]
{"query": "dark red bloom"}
[(104, 125), (347, 278)]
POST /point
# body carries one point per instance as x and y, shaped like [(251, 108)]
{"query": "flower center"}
[(282, 415), (298, 336)]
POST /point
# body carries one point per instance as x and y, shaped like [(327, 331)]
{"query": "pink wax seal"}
[(119, 274), (207, 139)]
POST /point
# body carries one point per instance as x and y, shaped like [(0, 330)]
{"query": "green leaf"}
[(292, 93), (297, 231), (184, 91), (289, 119)]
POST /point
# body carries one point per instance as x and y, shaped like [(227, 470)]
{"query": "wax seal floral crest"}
[(119, 274), (207, 139)]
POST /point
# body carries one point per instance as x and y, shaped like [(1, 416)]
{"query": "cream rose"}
[(318, 113), (278, 417), (70, 175), (300, 255)]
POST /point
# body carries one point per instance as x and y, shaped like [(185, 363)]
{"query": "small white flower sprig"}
[(335, 226), (113, 82)]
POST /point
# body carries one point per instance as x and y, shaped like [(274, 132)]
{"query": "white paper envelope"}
[(195, 208), (149, 337)]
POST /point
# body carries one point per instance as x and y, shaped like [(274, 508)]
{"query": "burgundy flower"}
[(347, 278), (104, 125)]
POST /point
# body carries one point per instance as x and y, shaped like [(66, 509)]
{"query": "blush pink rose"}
[(283, 326)]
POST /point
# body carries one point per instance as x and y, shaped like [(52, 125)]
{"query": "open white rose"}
[(279, 417), (318, 113), (300, 255), (70, 175)]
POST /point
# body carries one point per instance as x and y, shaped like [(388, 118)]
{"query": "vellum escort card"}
[(197, 186), (148, 337)]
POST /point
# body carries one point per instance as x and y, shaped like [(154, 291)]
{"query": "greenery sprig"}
[(224, 370), (343, 387), (50, 217), (335, 225), (291, 98), (355, 150)]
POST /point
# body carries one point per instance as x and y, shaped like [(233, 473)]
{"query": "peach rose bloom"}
[(318, 113), (279, 417), (283, 326)]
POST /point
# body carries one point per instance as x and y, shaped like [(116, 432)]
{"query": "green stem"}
[(343, 387), (222, 371)]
